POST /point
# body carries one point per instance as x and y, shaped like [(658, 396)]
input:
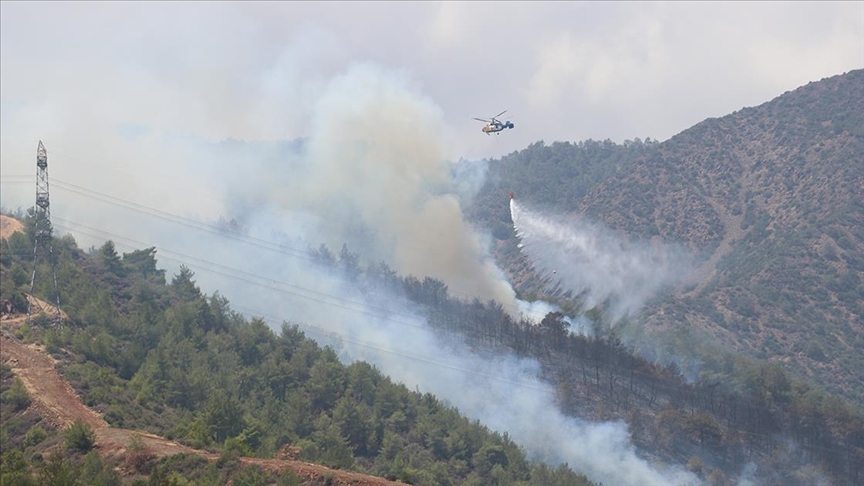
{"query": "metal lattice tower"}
[(43, 236)]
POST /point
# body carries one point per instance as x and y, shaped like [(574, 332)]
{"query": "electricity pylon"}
[(43, 237)]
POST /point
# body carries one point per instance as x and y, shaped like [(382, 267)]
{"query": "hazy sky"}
[(565, 71)]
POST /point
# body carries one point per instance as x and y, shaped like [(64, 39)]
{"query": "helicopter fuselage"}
[(496, 127)]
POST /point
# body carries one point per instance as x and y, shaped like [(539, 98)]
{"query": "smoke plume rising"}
[(375, 174)]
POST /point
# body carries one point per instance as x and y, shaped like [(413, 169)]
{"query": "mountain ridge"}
[(769, 199)]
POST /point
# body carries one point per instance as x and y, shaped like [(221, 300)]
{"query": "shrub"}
[(138, 456), (35, 435), (251, 476), (16, 396), (80, 437)]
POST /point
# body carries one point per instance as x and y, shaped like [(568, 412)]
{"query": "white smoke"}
[(469, 176), (536, 310), (589, 260)]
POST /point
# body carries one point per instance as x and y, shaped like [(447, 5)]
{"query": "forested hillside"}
[(769, 199), (744, 412), (163, 357)]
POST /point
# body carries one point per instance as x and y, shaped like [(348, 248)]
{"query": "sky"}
[(563, 70)]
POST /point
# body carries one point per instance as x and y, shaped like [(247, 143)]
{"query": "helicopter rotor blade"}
[(499, 114), (482, 120)]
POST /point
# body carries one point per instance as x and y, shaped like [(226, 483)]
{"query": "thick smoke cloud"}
[(589, 260), (380, 145), (374, 174)]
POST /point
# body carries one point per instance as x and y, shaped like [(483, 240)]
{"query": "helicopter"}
[(495, 125)]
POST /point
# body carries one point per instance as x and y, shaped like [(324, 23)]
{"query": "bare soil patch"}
[(8, 226)]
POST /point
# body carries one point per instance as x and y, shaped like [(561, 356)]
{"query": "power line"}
[(248, 276), (256, 279), (206, 265), (425, 359), (210, 228)]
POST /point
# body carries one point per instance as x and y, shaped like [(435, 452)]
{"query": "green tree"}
[(325, 382), (251, 476), (184, 285), (489, 456), (703, 426), (12, 462), (288, 478), (363, 379), (109, 257), (324, 256), (349, 262), (223, 416), (355, 423), (159, 477), (95, 472), (79, 436), (15, 397), (57, 471), (143, 262), (334, 450), (34, 436)]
